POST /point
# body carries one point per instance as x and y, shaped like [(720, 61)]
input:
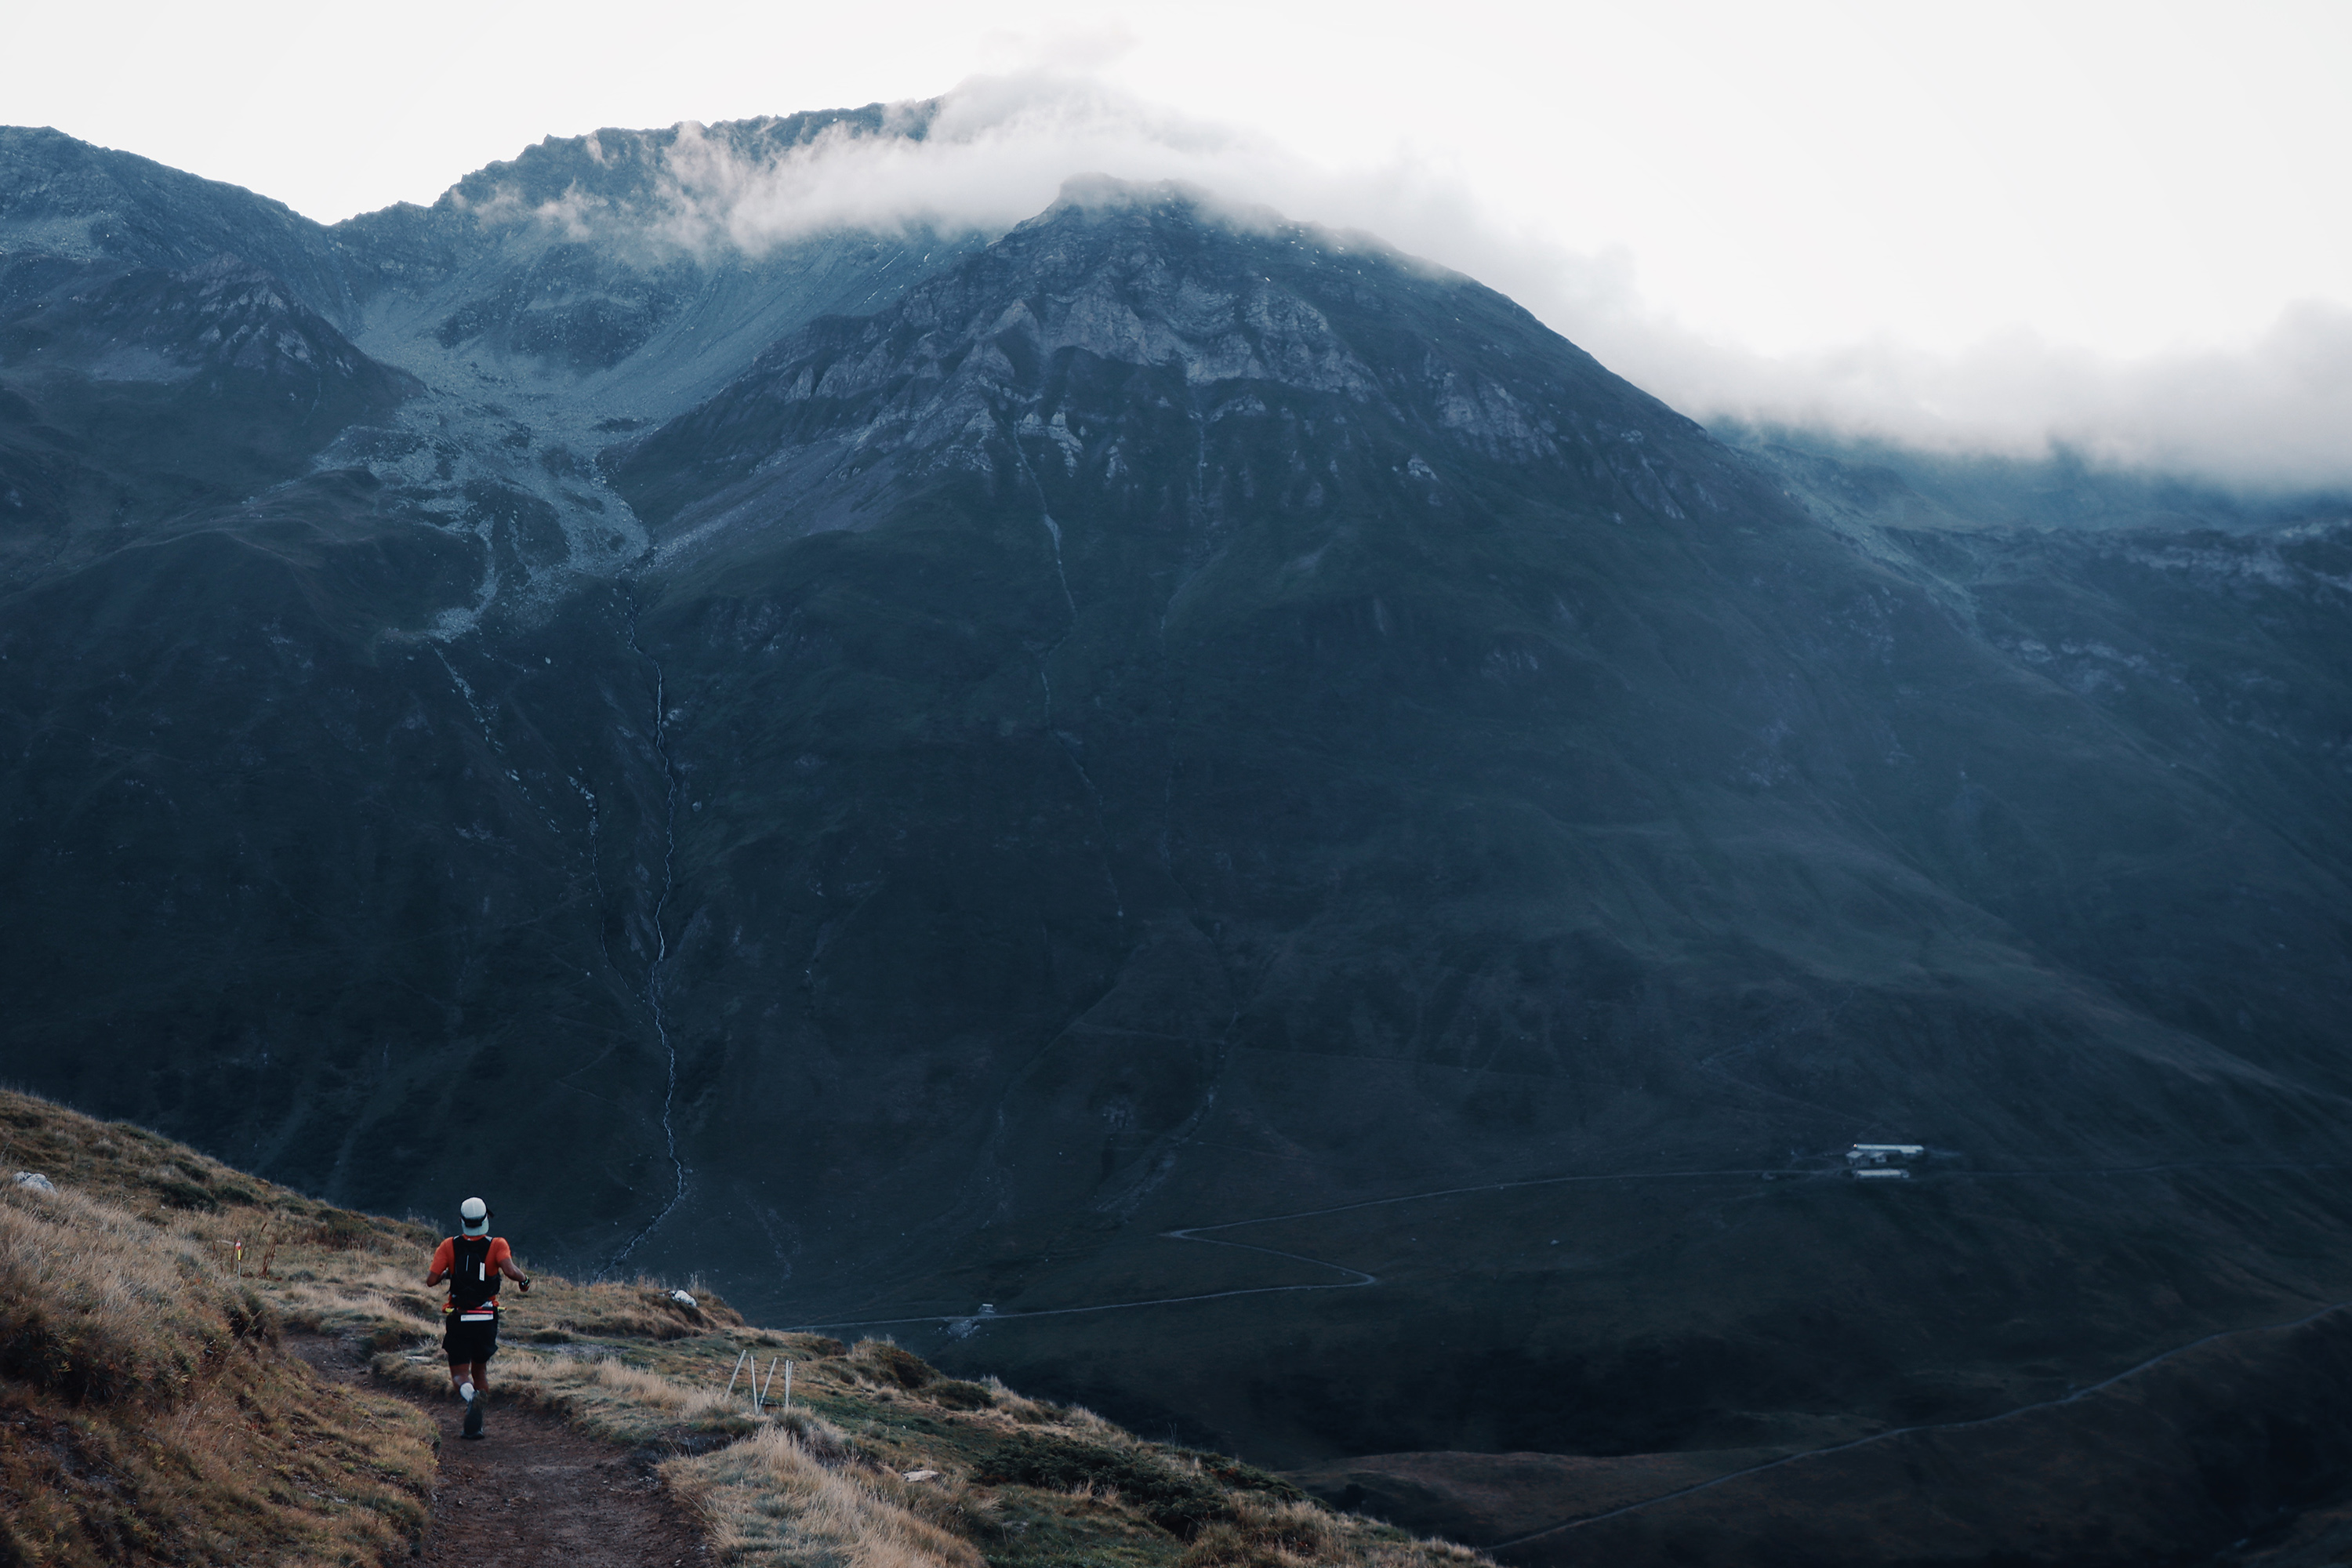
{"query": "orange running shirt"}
[(446, 1256)]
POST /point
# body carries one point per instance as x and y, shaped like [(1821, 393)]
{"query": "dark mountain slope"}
[(131, 396), (243, 743), (1189, 809), (1256, 727), (274, 877)]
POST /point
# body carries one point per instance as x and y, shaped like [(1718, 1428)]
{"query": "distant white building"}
[(1883, 1162)]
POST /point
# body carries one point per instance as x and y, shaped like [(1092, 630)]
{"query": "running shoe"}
[(473, 1427)]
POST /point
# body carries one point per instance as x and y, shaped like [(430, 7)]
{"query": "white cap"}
[(477, 1216)]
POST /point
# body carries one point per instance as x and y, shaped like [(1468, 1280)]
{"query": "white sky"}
[(1891, 212)]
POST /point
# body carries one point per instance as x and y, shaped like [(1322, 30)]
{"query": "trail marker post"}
[(736, 1373)]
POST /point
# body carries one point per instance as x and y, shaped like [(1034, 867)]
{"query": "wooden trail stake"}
[(760, 1402), (788, 1388), (739, 1367)]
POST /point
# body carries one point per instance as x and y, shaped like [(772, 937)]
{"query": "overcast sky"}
[(2123, 225)]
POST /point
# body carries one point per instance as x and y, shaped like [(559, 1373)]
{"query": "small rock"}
[(682, 1298), (35, 1181), (922, 1475)]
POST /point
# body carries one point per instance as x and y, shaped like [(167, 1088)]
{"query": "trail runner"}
[(473, 1261)]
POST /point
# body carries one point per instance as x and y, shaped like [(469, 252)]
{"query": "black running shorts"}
[(470, 1341)]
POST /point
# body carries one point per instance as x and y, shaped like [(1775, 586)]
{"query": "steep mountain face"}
[(137, 395), (1221, 724), (245, 545), (1173, 805)]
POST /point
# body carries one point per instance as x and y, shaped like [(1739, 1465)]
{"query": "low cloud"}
[(2271, 414), (992, 153)]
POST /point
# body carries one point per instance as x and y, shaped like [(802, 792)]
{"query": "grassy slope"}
[(149, 1410), (162, 1419)]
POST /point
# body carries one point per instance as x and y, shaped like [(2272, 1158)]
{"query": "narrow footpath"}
[(533, 1492)]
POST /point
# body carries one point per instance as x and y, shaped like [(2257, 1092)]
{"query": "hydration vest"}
[(472, 1285)]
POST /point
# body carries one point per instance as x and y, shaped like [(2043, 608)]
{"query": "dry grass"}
[(97, 1305), (601, 1392), (1013, 1481), (1291, 1533), (148, 1411), (774, 1499)]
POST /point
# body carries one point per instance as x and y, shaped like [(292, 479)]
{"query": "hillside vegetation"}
[(156, 1411), (150, 1408)]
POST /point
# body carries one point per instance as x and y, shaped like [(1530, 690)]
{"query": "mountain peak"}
[(1230, 321), (68, 198)]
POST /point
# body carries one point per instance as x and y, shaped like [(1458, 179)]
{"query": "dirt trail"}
[(534, 1493)]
